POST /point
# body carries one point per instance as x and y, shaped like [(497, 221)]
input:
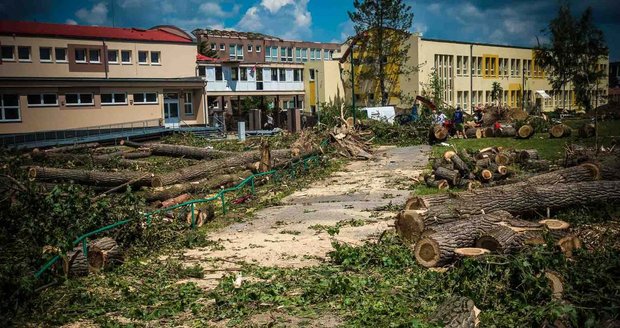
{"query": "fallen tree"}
[(178, 150), (88, 177)]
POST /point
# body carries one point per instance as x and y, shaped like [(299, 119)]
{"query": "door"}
[(171, 110)]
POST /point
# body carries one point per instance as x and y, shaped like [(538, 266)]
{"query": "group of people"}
[(458, 120)]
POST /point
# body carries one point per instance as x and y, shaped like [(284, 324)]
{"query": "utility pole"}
[(353, 82)]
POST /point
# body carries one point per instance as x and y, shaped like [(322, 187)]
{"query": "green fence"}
[(221, 196)]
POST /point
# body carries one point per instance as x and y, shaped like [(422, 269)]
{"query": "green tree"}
[(436, 89), (385, 25), (496, 92), (205, 49)]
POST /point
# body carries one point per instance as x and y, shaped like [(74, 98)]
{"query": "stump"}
[(75, 264), (568, 244), (104, 253), (559, 131), (525, 132)]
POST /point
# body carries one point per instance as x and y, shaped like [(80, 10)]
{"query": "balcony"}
[(241, 86)]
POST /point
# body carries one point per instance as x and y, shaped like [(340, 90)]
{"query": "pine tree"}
[(383, 55)]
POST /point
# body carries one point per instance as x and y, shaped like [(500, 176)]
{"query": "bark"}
[(206, 169), (456, 312), (178, 150), (587, 130), (104, 253), (506, 132), (75, 264), (452, 176), (471, 133), (528, 154), (489, 132), (88, 177), (559, 131), (440, 133), (502, 239), (73, 147), (525, 132), (483, 163), (439, 184), (536, 165), (82, 159), (459, 164), (503, 158), (176, 200)]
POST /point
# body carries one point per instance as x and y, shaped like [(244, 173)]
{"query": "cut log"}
[(75, 264), (569, 244), (176, 200), (479, 133), (459, 164), (555, 284), (583, 172), (506, 132), (104, 253), (559, 131), (439, 184), (178, 150), (82, 159), (453, 176), (471, 133), (456, 312), (503, 159), (136, 154), (200, 217), (205, 169), (88, 177), (448, 154), (483, 163), (439, 133), (587, 130), (502, 170), (526, 131), (486, 175), (265, 162), (497, 240), (528, 154), (470, 251), (489, 132), (73, 147)]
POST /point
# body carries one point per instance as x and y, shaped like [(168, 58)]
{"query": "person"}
[(438, 119), (478, 116), (269, 124), (459, 122)]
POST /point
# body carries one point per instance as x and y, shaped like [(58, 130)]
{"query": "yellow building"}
[(467, 72), (323, 84)]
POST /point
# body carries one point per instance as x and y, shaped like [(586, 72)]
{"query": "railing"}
[(77, 135), (221, 196)]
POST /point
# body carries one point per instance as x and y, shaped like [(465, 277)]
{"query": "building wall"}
[(329, 81), (176, 60)]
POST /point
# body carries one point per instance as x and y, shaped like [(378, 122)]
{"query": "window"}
[(311, 75), (145, 98), (258, 48), (271, 53), (298, 54), (61, 55), (325, 54), (286, 54), (126, 56), (188, 103), (243, 73), (44, 99), (94, 56), (222, 47), (213, 46), (79, 99), (240, 51), (282, 75), (296, 75), (304, 54), (45, 54), (9, 108), (458, 67), (282, 54), (113, 98), (234, 74), (202, 71), (113, 56), (232, 51), (143, 57), (274, 74), (80, 55), (311, 54), (249, 48), (155, 57), (218, 74), (8, 53), (23, 54)]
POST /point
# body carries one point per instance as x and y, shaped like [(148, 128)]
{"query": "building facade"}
[(61, 77), (279, 73), (467, 72)]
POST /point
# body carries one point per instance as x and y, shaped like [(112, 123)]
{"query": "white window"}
[(114, 98), (23, 54), (155, 57), (8, 53), (311, 54), (113, 56), (94, 56), (61, 55), (80, 55), (188, 103), (304, 54), (282, 74), (126, 56), (45, 54), (222, 47), (42, 99), (240, 51), (258, 48), (145, 98), (213, 46), (297, 54), (249, 48), (79, 99), (143, 57), (9, 108)]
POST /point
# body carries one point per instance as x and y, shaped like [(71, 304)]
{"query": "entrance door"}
[(171, 110)]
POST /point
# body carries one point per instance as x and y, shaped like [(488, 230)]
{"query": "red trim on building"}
[(94, 32), (201, 57)]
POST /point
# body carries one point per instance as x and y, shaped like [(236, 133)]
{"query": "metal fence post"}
[(193, 217)]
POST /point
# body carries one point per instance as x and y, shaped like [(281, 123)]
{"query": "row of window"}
[(82, 55), (496, 67), (241, 74), (301, 54)]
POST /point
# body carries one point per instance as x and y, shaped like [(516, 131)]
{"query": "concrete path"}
[(356, 199)]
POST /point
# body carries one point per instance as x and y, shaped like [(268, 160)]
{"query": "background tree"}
[(496, 92), (386, 24), (205, 49)]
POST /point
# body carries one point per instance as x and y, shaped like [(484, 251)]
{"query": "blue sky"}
[(490, 21)]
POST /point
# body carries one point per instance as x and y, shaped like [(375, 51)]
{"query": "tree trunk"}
[(528, 154), (439, 184), (73, 147), (456, 312), (82, 159), (471, 133), (87, 177), (75, 263), (453, 176), (205, 169), (104, 253), (587, 130), (440, 133), (489, 132), (526, 131), (178, 150), (459, 164), (506, 132), (175, 200), (559, 131)]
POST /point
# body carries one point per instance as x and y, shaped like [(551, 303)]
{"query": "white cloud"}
[(420, 27), (288, 19), (70, 21), (434, 8), (97, 15), (274, 5), (215, 9)]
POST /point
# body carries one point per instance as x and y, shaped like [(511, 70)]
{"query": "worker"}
[(478, 116), (459, 122), (269, 125), (438, 119)]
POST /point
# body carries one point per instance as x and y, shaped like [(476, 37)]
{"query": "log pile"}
[(103, 253), (350, 144)]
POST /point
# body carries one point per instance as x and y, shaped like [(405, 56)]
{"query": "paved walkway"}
[(357, 199)]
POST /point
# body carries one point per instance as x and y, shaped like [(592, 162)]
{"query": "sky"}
[(518, 22)]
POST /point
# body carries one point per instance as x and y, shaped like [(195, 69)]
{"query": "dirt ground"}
[(358, 199)]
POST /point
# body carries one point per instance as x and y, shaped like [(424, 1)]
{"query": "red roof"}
[(92, 32), (201, 57)]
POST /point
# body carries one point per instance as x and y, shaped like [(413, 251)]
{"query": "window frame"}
[(29, 60), (115, 51), (250, 47), (221, 73), (145, 102), (3, 109), (158, 62), (274, 73), (85, 55), (113, 103), (282, 74), (128, 62), (257, 48), (243, 73), (222, 47), (213, 46), (146, 62), (65, 60), (96, 51), (50, 60), (240, 48), (42, 100), (190, 103), (13, 57), (79, 98)]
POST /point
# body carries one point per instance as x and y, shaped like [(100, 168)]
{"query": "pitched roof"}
[(201, 57), (89, 32)]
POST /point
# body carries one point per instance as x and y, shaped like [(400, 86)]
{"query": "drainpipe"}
[(471, 79), (204, 103), (104, 55), (522, 85)]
